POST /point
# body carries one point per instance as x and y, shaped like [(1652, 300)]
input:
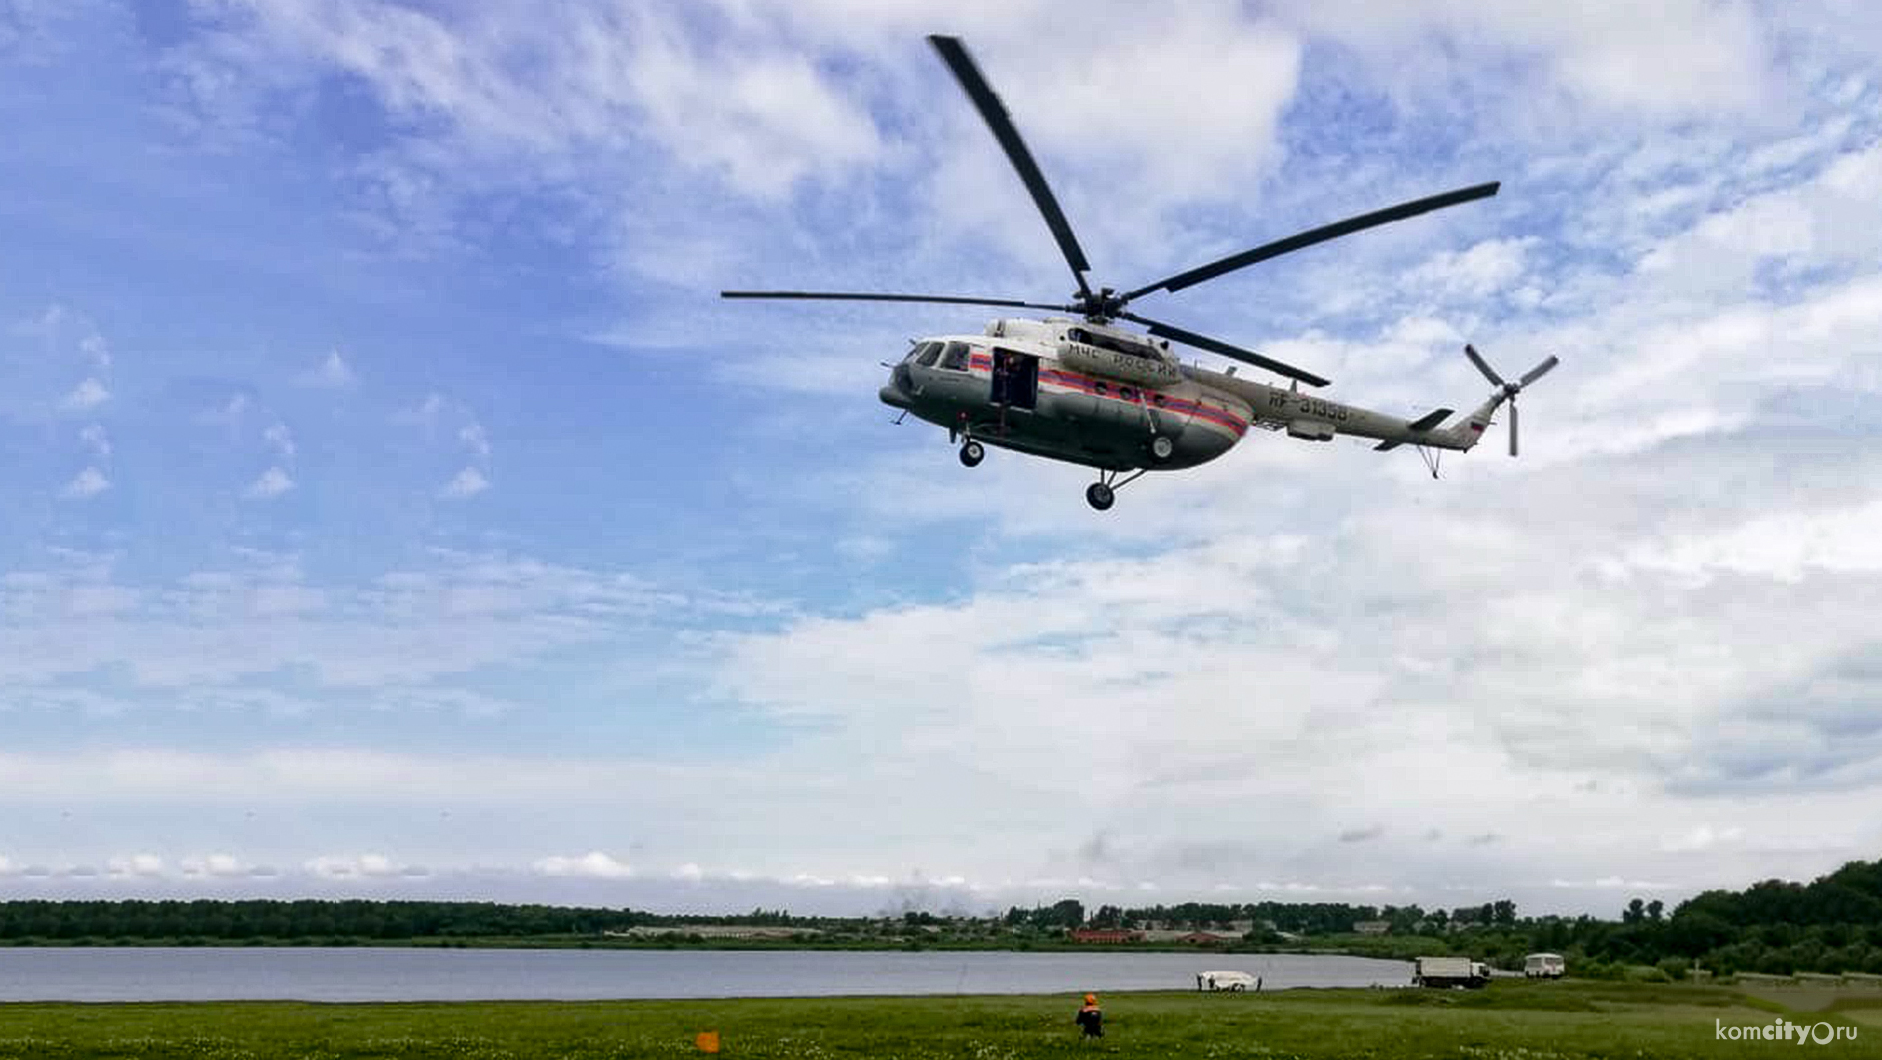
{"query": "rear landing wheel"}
[(972, 454), (1099, 496), (1161, 447)]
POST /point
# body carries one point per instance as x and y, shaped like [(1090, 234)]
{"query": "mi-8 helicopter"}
[(1080, 390)]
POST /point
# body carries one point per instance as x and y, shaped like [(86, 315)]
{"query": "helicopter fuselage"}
[(1031, 386), (1019, 393)]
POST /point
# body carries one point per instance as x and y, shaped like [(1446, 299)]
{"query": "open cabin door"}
[(1015, 379)]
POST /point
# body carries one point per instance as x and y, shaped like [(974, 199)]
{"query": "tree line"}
[(1832, 924)]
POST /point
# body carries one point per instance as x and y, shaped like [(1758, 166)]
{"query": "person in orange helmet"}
[(1090, 1017)]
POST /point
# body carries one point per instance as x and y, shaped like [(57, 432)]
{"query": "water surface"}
[(405, 974)]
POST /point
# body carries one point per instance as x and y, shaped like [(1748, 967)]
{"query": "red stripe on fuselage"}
[(1088, 385)]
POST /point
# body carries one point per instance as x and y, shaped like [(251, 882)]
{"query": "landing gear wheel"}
[(972, 454), (1099, 496), (1162, 448)]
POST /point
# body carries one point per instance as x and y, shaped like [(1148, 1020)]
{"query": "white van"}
[(1225, 981), (1544, 966)]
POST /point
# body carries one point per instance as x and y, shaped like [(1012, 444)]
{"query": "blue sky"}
[(393, 507)]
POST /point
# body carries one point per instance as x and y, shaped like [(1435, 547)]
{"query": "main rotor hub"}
[(1100, 307)]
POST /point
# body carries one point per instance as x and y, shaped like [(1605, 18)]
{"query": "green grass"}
[(1508, 1021)]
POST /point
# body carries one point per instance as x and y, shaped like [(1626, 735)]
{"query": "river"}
[(405, 974)]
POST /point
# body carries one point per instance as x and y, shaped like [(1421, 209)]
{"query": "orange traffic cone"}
[(708, 1041)]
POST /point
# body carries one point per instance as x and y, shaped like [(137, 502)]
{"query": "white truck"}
[(1443, 972)]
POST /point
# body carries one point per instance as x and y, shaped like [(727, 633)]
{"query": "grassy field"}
[(1511, 1020)]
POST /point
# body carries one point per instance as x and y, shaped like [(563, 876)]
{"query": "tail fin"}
[(1469, 431)]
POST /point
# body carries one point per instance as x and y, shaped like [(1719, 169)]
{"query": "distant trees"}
[(1064, 914), (1833, 924)]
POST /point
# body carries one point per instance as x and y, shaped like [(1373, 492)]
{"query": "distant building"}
[(1372, 927), (714, 931), (1205, 938), (1106, 935)]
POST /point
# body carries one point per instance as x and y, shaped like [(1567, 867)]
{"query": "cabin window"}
[(1101, 387), (1127, 394), (929, 351), (1159, 399), (956, 356)]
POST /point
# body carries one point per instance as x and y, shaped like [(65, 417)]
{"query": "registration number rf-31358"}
[(1281, 400)]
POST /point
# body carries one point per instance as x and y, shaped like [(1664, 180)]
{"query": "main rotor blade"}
[(1171, 331), (955, 55), (1512, 426), (1538, 371), (1483, 366), (862, 297), (1317, 235)]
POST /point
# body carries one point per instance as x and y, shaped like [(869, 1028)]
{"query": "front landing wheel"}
[(1099, 496), (972, 454)]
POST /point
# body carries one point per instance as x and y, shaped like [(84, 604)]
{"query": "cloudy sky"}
[(392, 507)]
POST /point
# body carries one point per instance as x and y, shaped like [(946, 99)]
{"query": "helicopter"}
[(1080, 389)]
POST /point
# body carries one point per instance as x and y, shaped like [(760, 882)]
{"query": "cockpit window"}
[(929, 351), (955, 357)]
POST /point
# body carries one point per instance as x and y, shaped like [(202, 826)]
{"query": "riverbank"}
[(1562, 1020), (1380, 949)]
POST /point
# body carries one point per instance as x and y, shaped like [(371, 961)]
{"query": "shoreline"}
[(750, 945)]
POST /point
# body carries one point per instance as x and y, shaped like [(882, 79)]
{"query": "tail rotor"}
[(1507, 391)]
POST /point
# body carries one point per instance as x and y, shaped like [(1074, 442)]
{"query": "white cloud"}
[(228, 414), (272, 483), (1704, 837), (594, 863), (424, 414), (280, 439), (294, 775), (87, 395), (350, 866), (1787, 547), (96, 350), (94, 438), (1612, 883), (89, 483), (409, 636), (333, 372), (1684, 56), (136, 865), (222, 866), (468, 483), (1482, 271), (474, 439)]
